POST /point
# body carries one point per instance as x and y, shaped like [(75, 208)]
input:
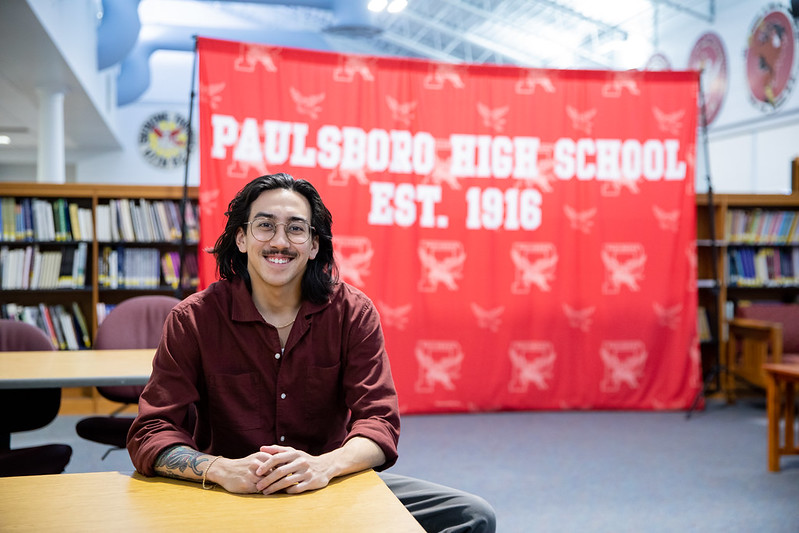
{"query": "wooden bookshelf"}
[(92, 292), (772, 283)]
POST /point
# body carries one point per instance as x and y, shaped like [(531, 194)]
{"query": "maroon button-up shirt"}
[(331, 383)]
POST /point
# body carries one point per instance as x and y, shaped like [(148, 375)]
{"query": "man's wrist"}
[(206, 485)]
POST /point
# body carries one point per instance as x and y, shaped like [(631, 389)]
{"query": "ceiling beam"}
[(710, 17)]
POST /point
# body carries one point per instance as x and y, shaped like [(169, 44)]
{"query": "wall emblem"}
[(770, 58), (708, 57), (163, 139)]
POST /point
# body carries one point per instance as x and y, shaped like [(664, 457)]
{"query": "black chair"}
[(133, 324), (28, 409)]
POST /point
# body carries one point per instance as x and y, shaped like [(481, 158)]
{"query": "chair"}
[(760, 333), (133, 324), (28, 409)]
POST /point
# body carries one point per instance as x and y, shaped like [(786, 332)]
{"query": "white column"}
[(50, 167)]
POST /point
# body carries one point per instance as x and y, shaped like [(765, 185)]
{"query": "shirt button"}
[(277, 356), (283, 396), (282, 438)]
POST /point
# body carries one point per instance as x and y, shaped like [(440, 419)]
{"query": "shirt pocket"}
[(323, 395), (234, 401)]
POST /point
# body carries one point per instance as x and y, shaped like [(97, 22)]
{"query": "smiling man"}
[(276, 378)]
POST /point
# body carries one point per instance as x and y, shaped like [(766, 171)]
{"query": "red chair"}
[(759, 333), (133, 324), (28, 409)]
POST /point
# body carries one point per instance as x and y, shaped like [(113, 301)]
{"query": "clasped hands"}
[(271, 469)]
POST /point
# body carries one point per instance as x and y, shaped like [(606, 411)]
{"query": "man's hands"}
[(272, 468), (292, 470), (238, 475)]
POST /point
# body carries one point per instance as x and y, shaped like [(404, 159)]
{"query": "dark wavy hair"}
[(321, 273)]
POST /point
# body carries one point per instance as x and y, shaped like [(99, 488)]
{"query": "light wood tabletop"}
[(75, 368), (781, 380), (114, 501)]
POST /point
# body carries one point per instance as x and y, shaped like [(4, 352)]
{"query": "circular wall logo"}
[(770, 58), (708, 57), (163, 139)]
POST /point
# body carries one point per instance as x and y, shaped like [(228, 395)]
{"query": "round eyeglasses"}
[(264, 229)]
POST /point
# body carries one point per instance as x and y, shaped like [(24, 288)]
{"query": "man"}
[(276, 378)]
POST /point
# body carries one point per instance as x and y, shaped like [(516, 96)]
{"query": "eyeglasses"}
[(264, 229)]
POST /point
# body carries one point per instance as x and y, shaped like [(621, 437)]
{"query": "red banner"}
[(527, 235)]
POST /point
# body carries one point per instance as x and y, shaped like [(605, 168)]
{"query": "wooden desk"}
[(779, 376), (112, 501), (78, 368)]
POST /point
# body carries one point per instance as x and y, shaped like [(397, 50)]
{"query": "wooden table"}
[(76, 368), (113, 501), (781, 376)]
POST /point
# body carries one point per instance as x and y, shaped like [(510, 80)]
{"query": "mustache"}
[(280, 251)]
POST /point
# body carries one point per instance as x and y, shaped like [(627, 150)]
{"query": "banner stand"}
[(184, 200)]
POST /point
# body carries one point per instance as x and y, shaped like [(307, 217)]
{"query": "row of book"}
[(66, 326), (146, 221), (144, 268), (762, 226), (125, 220), (35, 219), (32, 268), (766, 266)]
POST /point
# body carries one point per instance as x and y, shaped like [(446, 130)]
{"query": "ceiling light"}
[(377, 5), (5, 139), (397, 5)]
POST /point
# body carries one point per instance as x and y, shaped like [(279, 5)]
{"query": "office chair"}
[(28, 409), (133, 324)]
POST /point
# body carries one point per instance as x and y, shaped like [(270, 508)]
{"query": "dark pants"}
[(442, 509)]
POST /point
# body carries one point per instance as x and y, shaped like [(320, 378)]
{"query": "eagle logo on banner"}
[(535, 264), (624, 364), (533, 363), (353, 256), (442, 264), (624, 266), (439, 364)]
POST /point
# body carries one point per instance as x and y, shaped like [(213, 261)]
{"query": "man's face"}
[(277, 262)]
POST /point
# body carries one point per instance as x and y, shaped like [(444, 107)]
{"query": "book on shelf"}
[(126, 228), (58, 327), (103, 218), (116, 234), (705, 334), (67, 327), (74, 221), (82, 326), (65, 278), (49, 328)]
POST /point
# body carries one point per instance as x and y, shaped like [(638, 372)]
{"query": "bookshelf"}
[(72, 251), (756, 256)]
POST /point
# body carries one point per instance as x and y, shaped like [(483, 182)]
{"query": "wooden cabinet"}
[(754, 257), (130, 247)]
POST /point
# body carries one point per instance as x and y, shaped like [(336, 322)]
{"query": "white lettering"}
[(396, 205), (225, 132), (614, 159)]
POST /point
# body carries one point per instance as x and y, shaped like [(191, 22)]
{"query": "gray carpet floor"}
[(587, 471)]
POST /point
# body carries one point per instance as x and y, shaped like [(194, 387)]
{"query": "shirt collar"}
[(243, 309)]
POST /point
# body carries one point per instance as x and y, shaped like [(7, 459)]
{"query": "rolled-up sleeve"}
[(171, 391), (369, 386)]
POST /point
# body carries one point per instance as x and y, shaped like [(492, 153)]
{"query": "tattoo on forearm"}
[(178, 459)]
